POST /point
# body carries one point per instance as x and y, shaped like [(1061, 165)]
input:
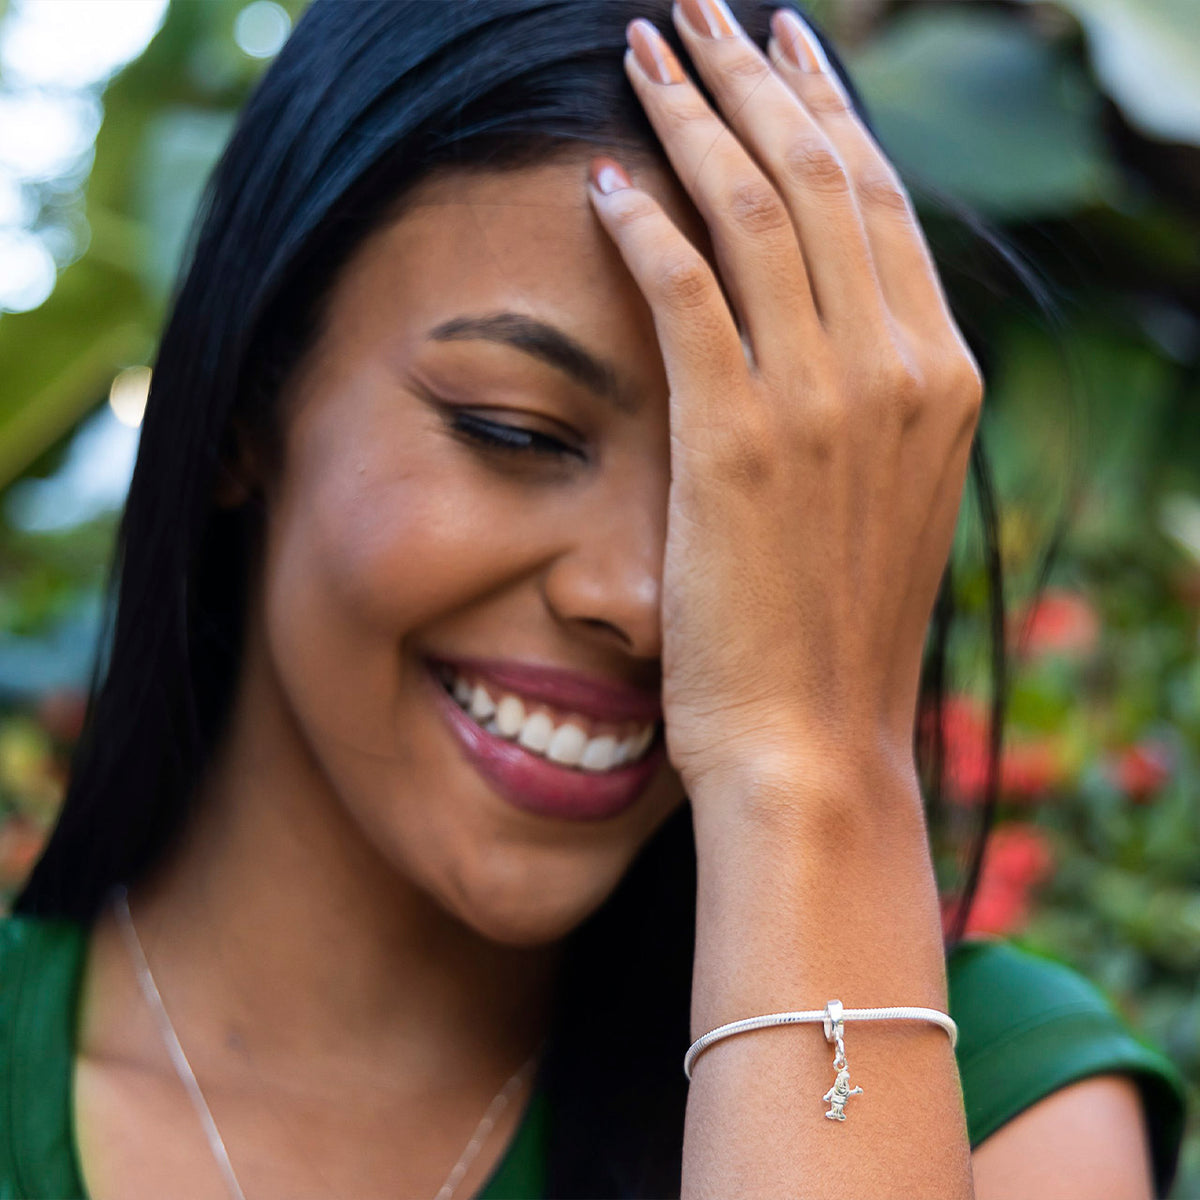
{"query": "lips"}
[(535, 785), (600, 699)]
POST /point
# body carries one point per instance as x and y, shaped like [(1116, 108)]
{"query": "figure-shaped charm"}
[(839, 1094), (841, 1091)]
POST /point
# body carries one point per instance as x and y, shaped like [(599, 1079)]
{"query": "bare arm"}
[(1083, 1142), (802, 912)]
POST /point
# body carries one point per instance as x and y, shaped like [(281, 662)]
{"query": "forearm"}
[(810, 891)]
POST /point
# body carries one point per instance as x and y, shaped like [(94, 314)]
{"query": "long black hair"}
[(362, 102)]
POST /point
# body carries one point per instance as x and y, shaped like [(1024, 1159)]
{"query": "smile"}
[(595, 787), (567, 738)]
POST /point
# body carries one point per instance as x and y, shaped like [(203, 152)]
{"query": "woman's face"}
[(398, 542)]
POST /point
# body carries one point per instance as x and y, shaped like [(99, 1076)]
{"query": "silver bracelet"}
[(832, 1017)]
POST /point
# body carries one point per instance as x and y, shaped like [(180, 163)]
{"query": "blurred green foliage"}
[(166, 117), (1074, 129)]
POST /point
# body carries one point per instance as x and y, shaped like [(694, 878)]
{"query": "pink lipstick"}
[(533, 783)]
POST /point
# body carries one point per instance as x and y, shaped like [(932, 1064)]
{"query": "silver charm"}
[(841, 1091)]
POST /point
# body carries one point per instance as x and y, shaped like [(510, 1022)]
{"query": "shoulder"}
[(40, 963), (1030, 1026)]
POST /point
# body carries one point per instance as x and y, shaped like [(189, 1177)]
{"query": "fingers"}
[(902, 259), (702, 350), (803, 165), (752, 230), (813, 231)]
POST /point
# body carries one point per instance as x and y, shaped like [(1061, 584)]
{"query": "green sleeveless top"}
[(1027, 1026)]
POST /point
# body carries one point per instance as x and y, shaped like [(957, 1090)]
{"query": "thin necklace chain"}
[(188, 1077)]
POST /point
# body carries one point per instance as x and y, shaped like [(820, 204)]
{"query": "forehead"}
[(523, 240)]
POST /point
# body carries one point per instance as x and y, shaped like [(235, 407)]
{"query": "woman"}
[(526, 573)]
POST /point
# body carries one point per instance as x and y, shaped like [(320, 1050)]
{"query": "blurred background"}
[(1072, 128)]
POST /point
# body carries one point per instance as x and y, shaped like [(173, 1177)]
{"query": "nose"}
[(609, 581)]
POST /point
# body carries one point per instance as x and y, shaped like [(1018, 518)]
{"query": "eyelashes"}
[(510, 439)]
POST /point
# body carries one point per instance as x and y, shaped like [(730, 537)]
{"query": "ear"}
[(239, 468)]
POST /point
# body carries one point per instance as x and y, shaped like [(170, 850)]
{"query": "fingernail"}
[(653, 54), (800, 47), (608, 176), (709, 18)]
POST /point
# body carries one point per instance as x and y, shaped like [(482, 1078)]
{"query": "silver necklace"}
[(188, 1077)]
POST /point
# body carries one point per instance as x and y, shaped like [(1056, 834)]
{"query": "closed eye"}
[(510, 439)]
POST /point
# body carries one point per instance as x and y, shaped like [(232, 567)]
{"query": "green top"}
[(1027, 1026)]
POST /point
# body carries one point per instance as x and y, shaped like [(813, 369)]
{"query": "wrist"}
[(831, 796), (815, 886)]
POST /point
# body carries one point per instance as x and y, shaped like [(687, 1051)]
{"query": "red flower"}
[(1142, 770), (1059, 622), (1016, 860), (1018, 854), (964, 732), (998, 909), (1028, 769)]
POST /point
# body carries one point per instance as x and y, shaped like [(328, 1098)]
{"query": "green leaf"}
[(94, 324), (106, 309), (1146, 53), (973, 103)]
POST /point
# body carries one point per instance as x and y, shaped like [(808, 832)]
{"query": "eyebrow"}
[(547, 343)]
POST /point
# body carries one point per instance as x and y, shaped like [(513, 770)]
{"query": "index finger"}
[(701, 347)]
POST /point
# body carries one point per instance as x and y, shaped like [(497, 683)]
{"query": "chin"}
[(529, 930), (530, 907)]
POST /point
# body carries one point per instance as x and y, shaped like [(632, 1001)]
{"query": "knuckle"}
[(904, 382), (901, 389), (968, 388), (746, 66), (824, 98), (688, 111), (756, 207), (813, 162), (883, 190), (631, 207), (967, 380), (684, 282), (824, 427)]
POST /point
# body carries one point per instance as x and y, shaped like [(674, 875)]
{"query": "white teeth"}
[(599, 753), (510, 716), (482, 705), (634, 746), (536, 733), (566, 746)]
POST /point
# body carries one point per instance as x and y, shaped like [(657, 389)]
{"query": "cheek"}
[(383, 527)]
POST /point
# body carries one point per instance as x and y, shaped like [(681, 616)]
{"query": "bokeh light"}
[(27, 271), (128, 394), (261, 28), (44, 135), (74, 43)]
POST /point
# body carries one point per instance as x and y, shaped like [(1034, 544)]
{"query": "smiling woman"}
[(547, 482)]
